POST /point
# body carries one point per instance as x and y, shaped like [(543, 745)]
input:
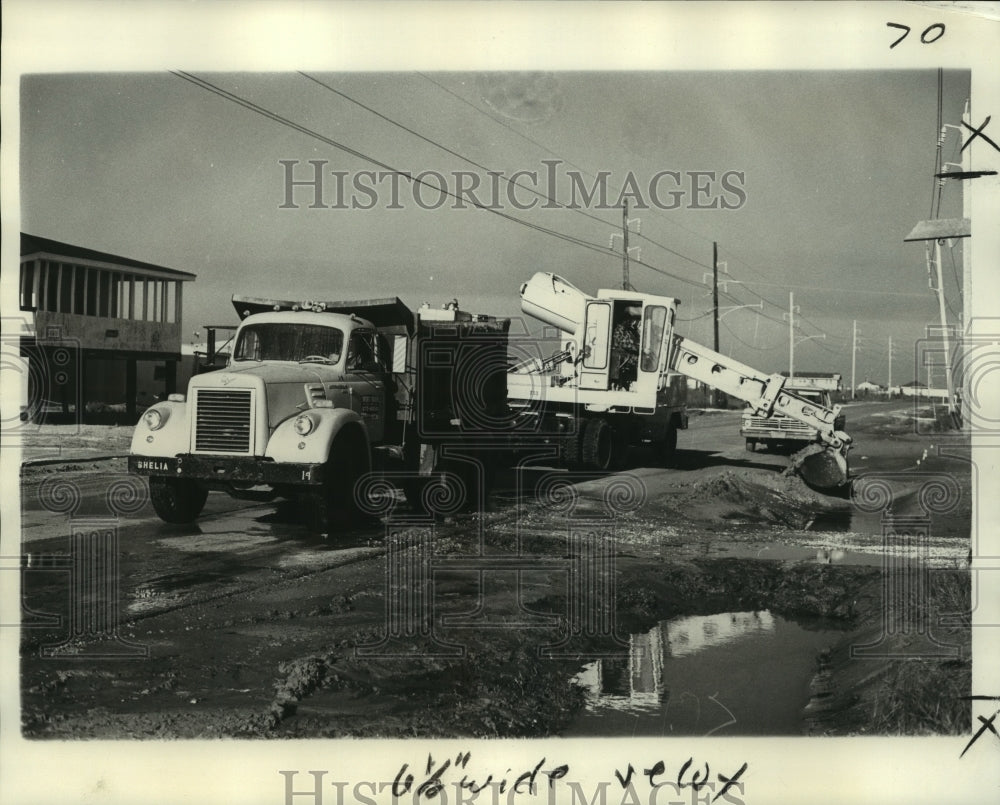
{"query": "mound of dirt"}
[(736, 496)]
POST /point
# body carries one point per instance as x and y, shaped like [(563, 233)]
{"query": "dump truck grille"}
[(223, 421), (778, 423)]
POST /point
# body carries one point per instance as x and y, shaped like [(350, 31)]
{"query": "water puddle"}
[(735, 673), (821, 554), (831, 521)]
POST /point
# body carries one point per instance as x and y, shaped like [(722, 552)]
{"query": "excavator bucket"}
[(821, 467)]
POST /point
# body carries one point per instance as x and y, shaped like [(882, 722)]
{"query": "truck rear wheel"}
[(176, 500), (598, 447), (668, 447)]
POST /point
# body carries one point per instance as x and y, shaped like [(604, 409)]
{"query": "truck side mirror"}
[(400, 343)]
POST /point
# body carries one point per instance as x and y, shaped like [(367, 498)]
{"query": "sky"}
[(808, 181)]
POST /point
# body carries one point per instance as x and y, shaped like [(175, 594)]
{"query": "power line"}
[(750, 346), (938, 185), (562, 159), (806, 320), (280, 119), (454, 153), (645, 237), (826, 289)]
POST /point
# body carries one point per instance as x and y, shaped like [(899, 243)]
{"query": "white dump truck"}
[(315, 395), (318, 394)]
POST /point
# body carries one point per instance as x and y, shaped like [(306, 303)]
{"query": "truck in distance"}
[(779, 430)]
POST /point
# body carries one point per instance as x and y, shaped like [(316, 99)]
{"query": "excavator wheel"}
[(599, 445), (668, 447), (571, 449)]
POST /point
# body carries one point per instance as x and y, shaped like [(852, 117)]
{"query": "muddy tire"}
[(176, 500), (599, 443), (571, 448), (333, 502)]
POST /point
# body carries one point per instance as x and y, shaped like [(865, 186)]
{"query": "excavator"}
[(619, 374)]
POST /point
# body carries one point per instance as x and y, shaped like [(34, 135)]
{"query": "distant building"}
[(867, 387), (97, 320), (827, 381), (917, 389)]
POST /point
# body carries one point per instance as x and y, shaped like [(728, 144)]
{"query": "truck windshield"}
[(280, 341)]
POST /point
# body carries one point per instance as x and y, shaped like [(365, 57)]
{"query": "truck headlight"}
[(303, 424), (154, 418)]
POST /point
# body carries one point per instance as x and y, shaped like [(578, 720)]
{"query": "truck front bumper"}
[(227, 470)]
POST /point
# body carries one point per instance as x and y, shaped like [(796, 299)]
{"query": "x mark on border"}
[(978, 132)]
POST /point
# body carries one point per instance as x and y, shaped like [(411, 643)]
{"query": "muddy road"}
[(715, 597)]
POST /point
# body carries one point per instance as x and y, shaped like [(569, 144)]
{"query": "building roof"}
[(32, 244)]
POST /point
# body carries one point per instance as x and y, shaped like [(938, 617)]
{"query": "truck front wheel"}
[(176, 500), (334, 500)]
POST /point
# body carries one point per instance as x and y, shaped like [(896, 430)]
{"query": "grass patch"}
[(923, 696)]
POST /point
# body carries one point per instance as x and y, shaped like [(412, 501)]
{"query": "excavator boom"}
[(823, 466)]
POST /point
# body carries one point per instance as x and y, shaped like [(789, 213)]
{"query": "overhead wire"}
[(548, 198), (280, 119), (671, 222), (430, 141)]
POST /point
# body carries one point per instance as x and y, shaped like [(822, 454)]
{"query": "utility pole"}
[(626, 285), (854, 356), (626, 280), (791, 335), (889, 386), (715, 293), (944, 328)]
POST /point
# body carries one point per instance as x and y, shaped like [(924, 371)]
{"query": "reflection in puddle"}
[(736, 673)]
